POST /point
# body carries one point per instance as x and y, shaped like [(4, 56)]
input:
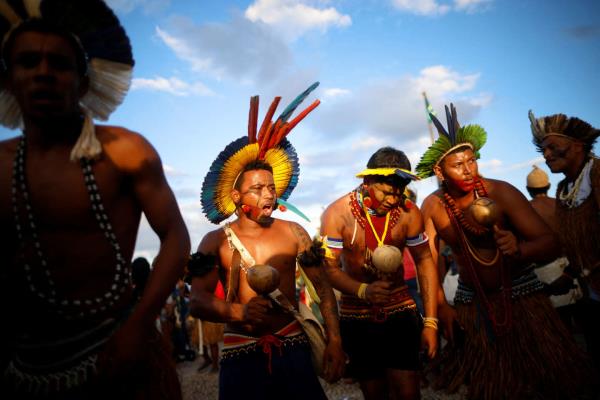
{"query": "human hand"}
[(378, 292), (449, 321), (334, 361), (429, 341), (255, 311), (506, 242)]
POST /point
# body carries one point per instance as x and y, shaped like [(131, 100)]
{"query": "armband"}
[(417, 240), (313, 256), (200, 264)]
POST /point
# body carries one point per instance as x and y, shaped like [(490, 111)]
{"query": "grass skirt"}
[(536, 359)]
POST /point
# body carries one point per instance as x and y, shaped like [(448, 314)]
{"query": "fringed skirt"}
[(536, 359)]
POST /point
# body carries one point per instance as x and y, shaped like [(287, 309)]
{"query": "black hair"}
[(252, 166), (44, 26), (388, 157)]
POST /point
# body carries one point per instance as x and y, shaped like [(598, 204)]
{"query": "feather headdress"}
[(561, 125), (106, 47), (268, 143), (472, 136)]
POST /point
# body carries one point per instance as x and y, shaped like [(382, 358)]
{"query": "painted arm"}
[(334, 357)]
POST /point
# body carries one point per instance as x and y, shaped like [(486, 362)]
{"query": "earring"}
[(367, 202), (282, 208)]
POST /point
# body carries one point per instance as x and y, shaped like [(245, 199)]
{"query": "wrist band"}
[(430, 322), (361, 293)]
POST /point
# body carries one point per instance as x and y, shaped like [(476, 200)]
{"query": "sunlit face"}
[(43, 75), (557, 151), (384, 197), (459, 170), (258, 191)]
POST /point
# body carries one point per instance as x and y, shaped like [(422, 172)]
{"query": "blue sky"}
[(198, 63)]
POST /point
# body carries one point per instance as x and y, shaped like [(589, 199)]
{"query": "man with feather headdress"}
[(71, 198), (567, 144), (266, 354), (509, 342)]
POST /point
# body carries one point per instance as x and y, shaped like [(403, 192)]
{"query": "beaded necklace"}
[(459, 214), (73, 307)]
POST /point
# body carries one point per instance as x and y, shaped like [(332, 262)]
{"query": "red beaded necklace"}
[(460, 215)]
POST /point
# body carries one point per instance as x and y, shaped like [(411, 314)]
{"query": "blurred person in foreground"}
[(71, 197)]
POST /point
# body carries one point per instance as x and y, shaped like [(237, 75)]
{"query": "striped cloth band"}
[(417, 240), (334, 243)]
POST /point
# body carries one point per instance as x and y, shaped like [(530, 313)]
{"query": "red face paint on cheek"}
[(465, 186), (374, 202)]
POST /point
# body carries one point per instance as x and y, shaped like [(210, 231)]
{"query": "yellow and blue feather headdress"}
[(268, 143)]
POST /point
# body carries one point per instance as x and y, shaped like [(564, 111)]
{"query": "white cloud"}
[(439, 80), (497, 166), (367, 143), (421, 7), (335, 92), (171, 85), (293, 18), (471, 6), (148, 6), (435, 7), (393, 109), (238, 49), (172, 172)]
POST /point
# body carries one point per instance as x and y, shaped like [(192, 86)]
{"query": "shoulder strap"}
[(235, 243)]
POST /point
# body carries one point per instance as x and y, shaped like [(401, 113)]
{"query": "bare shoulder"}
[(502, 191), (337, 208), (128, 150), (297, 229), (432, 203), (212, 241)]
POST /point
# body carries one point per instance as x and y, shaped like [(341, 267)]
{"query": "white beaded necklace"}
[(73, 307)]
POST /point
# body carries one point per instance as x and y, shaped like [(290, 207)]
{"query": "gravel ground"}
[(204, 385)]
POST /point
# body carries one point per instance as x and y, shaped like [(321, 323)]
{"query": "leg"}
[(403, 384), (374, 389), (214, 353)]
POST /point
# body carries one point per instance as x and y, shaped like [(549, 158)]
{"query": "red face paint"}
[(374, 202), (465, 186)]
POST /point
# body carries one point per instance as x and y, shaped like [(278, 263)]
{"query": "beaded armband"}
[(313, 256), (200, 264)]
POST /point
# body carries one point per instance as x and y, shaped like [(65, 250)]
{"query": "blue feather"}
[(292, 208), (289, 110)]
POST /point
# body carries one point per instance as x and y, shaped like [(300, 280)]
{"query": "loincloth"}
[(374, 347), (353, 308), (236, 344), (275, 366)]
